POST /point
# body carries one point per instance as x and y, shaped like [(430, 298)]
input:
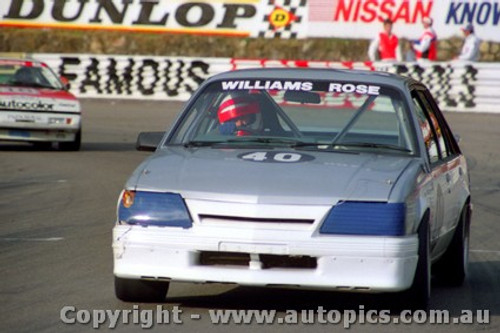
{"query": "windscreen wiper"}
[(372, 145), (311, 144), (247, 139), (196, 143), (267, 139), (322, 146)]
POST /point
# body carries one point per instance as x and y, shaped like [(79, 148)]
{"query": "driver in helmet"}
[(236, 114)]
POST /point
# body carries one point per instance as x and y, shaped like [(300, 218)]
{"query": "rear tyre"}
[(418, 295), (451, 269), (134, 290), (72, 145)]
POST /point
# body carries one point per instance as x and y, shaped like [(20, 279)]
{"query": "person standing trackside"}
[(426, 46), (470, 49), (385, 46)]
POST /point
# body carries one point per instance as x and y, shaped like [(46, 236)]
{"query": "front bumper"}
[(39, 126), (355, 263)]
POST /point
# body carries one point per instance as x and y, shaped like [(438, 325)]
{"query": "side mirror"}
[(148, 141)]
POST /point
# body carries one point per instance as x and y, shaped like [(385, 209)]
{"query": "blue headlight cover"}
[(365, 218), (159, 209)]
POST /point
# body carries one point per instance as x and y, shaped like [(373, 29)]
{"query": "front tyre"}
[(451, 269), (417, 297), (135, 290)]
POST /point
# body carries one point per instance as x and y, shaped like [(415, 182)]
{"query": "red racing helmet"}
[(232, 108)]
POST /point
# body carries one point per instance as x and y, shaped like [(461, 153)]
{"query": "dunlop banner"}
[(241, 18)]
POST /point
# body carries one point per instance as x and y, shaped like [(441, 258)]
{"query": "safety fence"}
[(457, 86)]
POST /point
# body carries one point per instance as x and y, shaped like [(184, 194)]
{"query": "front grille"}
[(213, 258), (215, 218)]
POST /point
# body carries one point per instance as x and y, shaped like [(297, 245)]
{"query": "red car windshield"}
[(28, 74)]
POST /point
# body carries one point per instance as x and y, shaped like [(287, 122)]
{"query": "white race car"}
[(329, 179), (36, 106)]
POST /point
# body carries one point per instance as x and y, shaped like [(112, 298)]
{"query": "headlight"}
[(365, 218), (152, 208)]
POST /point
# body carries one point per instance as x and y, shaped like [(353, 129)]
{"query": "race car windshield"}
[(302, 114), (20, 75)]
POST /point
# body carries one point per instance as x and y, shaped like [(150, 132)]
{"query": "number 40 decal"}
[(275, 157)]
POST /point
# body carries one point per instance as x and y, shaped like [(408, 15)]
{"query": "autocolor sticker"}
[(275, 157), (26, 104)]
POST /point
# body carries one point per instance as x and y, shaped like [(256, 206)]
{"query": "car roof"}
[(354, 75), (20, 61)]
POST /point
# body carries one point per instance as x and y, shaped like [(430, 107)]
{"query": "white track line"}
[(27, 239), (485, 251)]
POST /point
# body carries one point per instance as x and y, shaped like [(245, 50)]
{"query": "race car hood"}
[(270, 176), (34, 99)]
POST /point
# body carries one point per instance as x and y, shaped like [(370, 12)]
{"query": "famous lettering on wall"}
[(197, 72), (105, 75), (148, 77), (119, 81), (68, 61), (170, 86), (92, 77)]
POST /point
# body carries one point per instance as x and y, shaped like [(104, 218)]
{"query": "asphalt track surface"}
[(57, 210)]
